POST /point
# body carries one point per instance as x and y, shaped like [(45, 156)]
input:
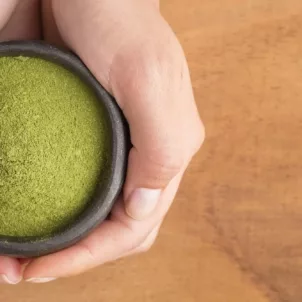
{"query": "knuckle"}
[(144, 248), (161, 59), (199, 138), (148, 242), (146, 245), (167, 161), (150, 72)]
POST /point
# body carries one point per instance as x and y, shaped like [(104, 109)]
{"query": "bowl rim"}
[(105, 196)]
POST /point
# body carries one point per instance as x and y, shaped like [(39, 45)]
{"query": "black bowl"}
[(107, 192)]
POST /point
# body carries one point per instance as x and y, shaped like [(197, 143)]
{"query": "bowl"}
[(108, 190)]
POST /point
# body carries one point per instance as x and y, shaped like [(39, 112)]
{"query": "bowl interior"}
[(107, 190)]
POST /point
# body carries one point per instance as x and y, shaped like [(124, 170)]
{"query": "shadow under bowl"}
[(108, 190)]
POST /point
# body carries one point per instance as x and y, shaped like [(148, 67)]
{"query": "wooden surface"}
[(234, 233)]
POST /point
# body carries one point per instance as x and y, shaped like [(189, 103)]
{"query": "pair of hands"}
[(134, 54)]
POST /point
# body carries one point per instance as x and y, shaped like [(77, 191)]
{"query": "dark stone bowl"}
[(107, 191)]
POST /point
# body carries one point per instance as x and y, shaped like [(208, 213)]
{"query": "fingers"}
[(6, 10), (10, 270), (20, 20), (111, 240), (154, 91), (50, 30)]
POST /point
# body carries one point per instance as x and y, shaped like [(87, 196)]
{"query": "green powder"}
[(53, 146)]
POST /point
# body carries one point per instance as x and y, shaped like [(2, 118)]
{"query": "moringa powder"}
[(53, 146)]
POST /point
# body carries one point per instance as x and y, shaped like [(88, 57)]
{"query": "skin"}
[(136, 57)]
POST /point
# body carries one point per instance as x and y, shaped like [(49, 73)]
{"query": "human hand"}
[(134, 54), (19, 20)]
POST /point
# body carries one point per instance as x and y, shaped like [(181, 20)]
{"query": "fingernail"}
[(5, 280), (40, 280), (142, 203)]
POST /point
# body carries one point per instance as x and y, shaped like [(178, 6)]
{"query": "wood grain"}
[(234, 233)]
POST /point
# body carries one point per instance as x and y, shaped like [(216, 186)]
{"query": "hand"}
[(135, 55), (19, 19)]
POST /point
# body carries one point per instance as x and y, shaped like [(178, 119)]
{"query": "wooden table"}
[(234, 233)]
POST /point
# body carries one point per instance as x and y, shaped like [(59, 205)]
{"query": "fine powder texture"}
[(53, 146)]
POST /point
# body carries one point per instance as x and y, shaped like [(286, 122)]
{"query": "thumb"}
[(157, 100), (146, 180)]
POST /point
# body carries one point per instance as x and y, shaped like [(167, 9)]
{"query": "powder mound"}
[(53, 146)]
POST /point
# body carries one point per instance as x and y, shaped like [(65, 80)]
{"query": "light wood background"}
[(234, 233)]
